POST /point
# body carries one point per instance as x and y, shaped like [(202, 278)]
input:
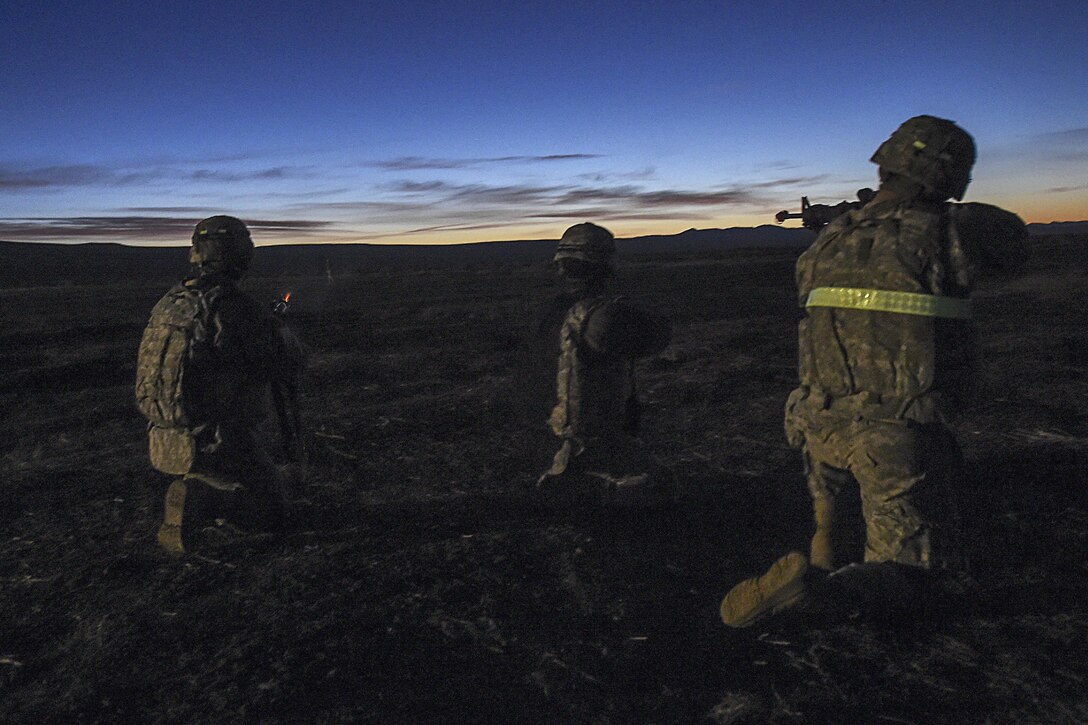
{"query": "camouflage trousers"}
[(907, 476), (251, 489), (616, 468)]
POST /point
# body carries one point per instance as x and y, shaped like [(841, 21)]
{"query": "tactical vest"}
[(175, 334), (899, 365), (592, 391)]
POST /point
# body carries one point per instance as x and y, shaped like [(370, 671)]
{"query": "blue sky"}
[(431, 122)]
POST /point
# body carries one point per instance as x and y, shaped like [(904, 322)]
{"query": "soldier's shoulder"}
[(978, 219), (169, 302), (993, 237), (211, 288), (231, 302), (856, 216), (618, 307), (607, 310), (586, 307), (620, 317), (919, 210)]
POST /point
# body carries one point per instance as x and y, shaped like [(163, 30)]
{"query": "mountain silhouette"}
[(32, 264)]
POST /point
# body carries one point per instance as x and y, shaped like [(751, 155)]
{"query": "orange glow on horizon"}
[(1033, 209)]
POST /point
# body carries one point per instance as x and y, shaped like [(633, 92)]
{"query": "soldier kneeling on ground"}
[(596, 415), (887, 348), (209, 358)]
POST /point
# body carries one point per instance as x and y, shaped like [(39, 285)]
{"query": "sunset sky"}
[(435, 122)]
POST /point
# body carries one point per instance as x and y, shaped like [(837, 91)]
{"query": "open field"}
[(434, 586)]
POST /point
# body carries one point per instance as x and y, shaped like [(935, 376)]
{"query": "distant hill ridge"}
[(28, 264)]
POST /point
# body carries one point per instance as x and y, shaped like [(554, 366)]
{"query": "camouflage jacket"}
[(237, 349), (595, 386), (890, 365)]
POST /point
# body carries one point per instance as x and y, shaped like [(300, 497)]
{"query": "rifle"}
[(285, 388), (818, 216)]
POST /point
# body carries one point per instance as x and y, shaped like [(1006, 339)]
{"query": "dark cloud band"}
[(46, 178), (138, 228), (416, 163)]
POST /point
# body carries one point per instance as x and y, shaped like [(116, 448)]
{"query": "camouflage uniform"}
[(596, 415), (207, 360), (878, 388), (886, 360)]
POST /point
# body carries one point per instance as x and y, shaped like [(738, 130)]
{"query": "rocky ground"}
[(432, 585)]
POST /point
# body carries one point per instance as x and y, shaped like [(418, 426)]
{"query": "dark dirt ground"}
[(433, 586)]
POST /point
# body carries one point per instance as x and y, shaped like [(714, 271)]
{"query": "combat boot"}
[(781, 588), (821, 550), (183, 515)]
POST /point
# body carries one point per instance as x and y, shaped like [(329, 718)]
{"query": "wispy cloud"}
[(791, 181), (275, 172), (1064, 189), (416, 163), (602, 177), (438, 205), (444, 228), (411, 206), (164, 160), (521, 197), (635, 198), (1072, 156), (1067, 136), (287, 226), (162, 209), (311, 194), (14, 179), (605, 214), (510, 195), (781, 165), (1066, 146), (514, 195), (138, 228), (418, 187), (44, 178)]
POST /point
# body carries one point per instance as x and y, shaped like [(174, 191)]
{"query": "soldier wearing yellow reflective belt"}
[(886, 360)]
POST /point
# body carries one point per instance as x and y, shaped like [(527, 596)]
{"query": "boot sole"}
[(736, 611)]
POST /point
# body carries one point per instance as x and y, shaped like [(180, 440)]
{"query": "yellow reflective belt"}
[(878, 300)]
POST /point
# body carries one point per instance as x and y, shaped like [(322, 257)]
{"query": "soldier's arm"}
[(245, 336), (289, 353), (993, 239), (823, 214), (625, 330)]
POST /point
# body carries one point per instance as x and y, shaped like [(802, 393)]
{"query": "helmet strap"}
[(892, 184)]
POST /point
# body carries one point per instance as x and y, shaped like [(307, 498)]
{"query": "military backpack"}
[(176, 333)]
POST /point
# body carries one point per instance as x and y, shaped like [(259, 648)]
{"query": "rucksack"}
[(175, 334), (613, 381)]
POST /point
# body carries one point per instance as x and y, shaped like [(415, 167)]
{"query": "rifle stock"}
[(285, 387)]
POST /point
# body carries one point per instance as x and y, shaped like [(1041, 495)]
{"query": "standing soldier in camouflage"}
[(596, 415), (207, 361), (886, 361)]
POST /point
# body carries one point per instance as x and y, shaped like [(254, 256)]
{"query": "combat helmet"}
[(589, 244), (222, 242), (930, 151)]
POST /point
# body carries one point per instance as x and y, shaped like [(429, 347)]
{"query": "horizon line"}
[(275, 243)]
